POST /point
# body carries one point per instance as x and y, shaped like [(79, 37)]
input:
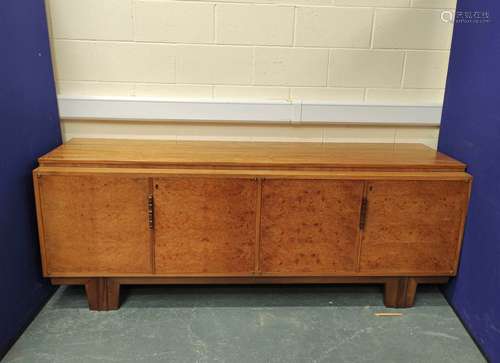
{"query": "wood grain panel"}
[(205, 225), (161, 153), (255, 173), (95, 225), (413, 226), (309, 226)]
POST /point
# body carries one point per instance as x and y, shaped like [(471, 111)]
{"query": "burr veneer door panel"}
[(205, 225), (309, 226), (413, 226), (95, 225)]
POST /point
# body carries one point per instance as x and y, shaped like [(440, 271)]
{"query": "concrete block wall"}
[(339, 51)]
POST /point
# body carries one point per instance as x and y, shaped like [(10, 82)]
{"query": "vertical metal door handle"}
[(151, 215), (362, 214)]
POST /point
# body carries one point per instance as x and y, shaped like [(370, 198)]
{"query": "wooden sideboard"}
[(113, 212)]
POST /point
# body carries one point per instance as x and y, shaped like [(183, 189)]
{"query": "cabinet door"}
[(413, 226), (95, 225), (205, 225), (309, 226)]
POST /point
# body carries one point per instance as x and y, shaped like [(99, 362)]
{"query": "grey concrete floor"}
[(246, 324)]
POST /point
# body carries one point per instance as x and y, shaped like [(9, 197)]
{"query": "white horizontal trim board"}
[(307, 113)]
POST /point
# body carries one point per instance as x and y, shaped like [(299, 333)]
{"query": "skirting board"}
[(275, 112)]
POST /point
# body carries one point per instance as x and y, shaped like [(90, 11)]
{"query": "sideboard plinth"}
[(103, 293)]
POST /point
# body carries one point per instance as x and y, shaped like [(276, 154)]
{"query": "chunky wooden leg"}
[(102, 293), (94, 288), (400, 292), (113, 294)]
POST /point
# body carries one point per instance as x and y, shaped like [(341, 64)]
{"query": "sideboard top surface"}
[(203, 154)]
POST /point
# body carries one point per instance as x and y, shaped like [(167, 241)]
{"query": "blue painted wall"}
[(29, 127), (471, 132)]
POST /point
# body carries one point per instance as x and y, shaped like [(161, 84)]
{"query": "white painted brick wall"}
[(411, 29), (329, 50), (174, 22), (365, 68), (331, 27), (251, 24), (229, 132), (342, 51)]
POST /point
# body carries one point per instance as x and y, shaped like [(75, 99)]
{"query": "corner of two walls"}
[(388, 52)]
